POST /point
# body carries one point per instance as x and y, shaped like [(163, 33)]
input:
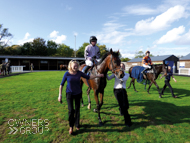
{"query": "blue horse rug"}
[(136, 73)]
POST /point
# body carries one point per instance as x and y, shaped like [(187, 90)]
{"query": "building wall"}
[(187, 63)]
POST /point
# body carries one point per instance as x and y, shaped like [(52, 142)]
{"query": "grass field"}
[(32, 99)]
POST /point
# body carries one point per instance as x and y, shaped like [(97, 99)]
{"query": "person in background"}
[(146, 62), (31, 67), (167, 82), (74, 92), (121, 95), (91, 53)]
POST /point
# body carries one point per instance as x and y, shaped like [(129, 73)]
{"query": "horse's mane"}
[(103, 57)]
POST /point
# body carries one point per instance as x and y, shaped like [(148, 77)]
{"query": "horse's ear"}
[(118, 51), (111, 51)]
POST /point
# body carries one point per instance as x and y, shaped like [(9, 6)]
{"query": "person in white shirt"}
[(121, 95)]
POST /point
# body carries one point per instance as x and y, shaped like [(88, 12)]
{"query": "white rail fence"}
[(17, 69), (184, 71)]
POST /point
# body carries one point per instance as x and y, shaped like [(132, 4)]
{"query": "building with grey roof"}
[(39, 62), (156, 60)]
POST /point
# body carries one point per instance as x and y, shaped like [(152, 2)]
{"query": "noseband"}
[(114, 69)]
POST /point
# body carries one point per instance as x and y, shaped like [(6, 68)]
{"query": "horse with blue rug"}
[(150, 75)]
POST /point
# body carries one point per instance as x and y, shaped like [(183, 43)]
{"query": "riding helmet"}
[(93, 38), (147, 52)]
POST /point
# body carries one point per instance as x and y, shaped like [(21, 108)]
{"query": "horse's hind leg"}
[(149, 87), (160, 96), (89, 101), (133, 81), (130, 84), (98, 107)]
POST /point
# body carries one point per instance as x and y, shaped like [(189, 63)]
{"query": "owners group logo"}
[(24, 126)]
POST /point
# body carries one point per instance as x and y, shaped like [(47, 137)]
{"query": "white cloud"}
[(60, 39), (53, 34), (26, 35), (75, 33), (112, 34), (25, 39), (184, 39), (161, 22), (175, 36), (171, 35), (57, 39), (127, 54), (139, 10)]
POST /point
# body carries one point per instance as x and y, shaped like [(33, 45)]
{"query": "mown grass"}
[(34, 95)]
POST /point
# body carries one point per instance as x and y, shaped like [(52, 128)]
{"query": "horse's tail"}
[(130, 71)]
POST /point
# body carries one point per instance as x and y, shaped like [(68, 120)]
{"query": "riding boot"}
[(85, 69), (143, 72)]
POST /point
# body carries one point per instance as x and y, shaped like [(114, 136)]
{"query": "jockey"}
[(91, 53), (146, 62)]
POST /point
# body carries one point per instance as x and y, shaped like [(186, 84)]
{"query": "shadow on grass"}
[(154, 113), (159, 113), (178, 92)]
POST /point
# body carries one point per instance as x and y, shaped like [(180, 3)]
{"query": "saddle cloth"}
[(150, 71), (136, 73)]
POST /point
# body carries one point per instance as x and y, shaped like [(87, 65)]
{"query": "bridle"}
[(113, 69)]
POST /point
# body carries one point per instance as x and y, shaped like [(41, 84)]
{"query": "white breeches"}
[(146, 66), (90, 63)]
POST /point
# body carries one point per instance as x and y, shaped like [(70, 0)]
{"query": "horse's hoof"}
[(127, 87), (136, 91), (95, 110), (82, 105), (101, 124), (89, 107), (160, 96)]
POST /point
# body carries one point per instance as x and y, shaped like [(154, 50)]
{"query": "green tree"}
[(39, 47), (5, 36), (80, 51), (139, 54), (125, 59), (28, 48), (64, 51), (103, 49), (51, 48)]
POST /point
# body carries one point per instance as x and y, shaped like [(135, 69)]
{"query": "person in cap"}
[(167, 82), (91, 53), (147, 63)]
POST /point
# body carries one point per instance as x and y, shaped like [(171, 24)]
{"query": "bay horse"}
[(151, 76), (64, 67), (109, 61)]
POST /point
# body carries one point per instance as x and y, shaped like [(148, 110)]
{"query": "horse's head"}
[(114, 65)]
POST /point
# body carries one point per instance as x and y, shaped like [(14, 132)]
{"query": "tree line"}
[(39, 47)]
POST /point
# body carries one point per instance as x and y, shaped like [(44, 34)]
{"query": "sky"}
[(160, 26)]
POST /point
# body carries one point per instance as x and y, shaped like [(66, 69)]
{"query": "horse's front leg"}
[(98, 107), (149, 87), (160, 96), (101, 98)]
